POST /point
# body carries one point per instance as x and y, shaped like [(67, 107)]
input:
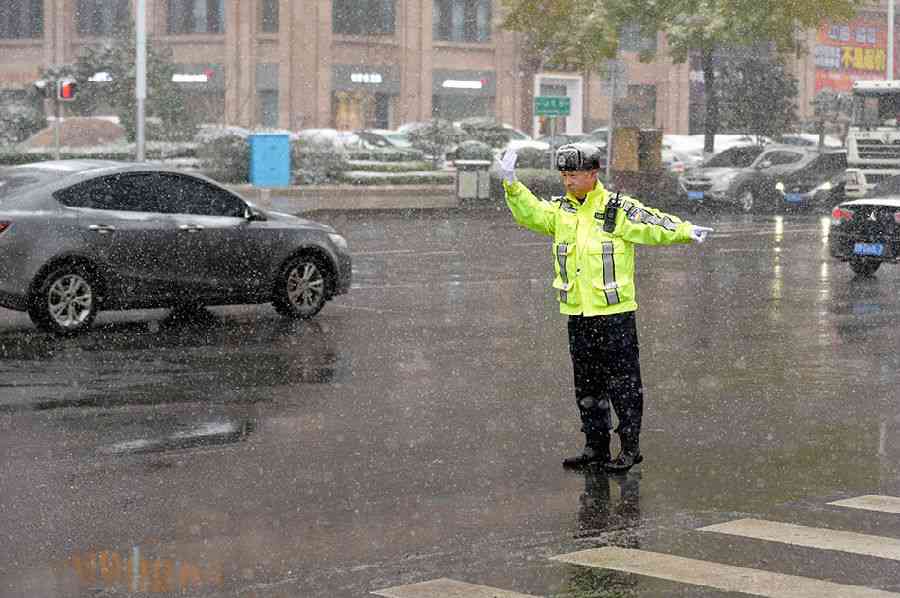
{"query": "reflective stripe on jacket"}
[(594, 269)]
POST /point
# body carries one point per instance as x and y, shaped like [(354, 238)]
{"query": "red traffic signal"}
[(66, 90)]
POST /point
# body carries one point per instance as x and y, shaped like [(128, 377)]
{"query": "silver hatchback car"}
[(77, 237)]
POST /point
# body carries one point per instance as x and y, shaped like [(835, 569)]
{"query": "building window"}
[(196, 16), (267, 115), (267, 94), (21, 19), (634, 39), (351, 110), (363, 17), (268, 18), (462, 20), (102, 17)]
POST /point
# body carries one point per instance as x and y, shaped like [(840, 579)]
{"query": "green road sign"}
[(552, 106)]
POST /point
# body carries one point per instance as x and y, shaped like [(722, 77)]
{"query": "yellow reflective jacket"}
[(594, 269)]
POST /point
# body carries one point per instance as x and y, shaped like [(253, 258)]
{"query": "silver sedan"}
[(77, 237)]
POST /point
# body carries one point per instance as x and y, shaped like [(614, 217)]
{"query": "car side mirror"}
[(763, 165), (254, 215)]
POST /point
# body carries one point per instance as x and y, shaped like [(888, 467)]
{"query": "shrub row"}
[(377, 166), (11, 157), (362, 177), (410, 155), (315, 160)]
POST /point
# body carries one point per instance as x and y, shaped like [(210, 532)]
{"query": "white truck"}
[(873, 139)]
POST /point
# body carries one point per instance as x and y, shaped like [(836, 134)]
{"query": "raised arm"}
[(528, 210)]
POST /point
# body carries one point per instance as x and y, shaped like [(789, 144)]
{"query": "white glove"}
[(698, 233), (506, 166)]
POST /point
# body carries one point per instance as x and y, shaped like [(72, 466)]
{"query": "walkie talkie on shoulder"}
[(609, 216)]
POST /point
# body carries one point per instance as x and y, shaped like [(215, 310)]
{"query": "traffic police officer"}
[(593, 245)]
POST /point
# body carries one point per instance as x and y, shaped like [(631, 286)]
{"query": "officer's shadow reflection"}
[(610, 504)]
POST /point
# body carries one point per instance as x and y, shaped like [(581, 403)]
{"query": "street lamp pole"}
[(890, 41), (140, 89)]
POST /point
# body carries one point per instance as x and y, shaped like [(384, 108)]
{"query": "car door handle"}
[(102, 228), (191, 228)]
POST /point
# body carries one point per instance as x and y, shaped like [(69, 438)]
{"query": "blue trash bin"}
[(270, 160)]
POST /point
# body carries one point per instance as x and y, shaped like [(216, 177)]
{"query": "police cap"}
[(578, 156)]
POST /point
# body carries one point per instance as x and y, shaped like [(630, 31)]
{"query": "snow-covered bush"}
[(368, 177), (473, 149), (435, 138), (532, 157), (320, 155), (19, 121), (224, 154)]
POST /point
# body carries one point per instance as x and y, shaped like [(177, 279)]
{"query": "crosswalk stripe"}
[(447, 588), (871, 502), (716, 575), (811, 537)]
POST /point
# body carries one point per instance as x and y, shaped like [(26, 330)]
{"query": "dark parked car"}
[(866, 232), (77, 237), (780, 177), (817, 183)]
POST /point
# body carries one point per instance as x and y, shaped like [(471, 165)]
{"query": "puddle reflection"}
[(601, 513), (864, 307), (198, 434), (610, 512), (183, 357)]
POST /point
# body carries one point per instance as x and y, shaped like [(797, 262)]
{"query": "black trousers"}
[(607, 371)]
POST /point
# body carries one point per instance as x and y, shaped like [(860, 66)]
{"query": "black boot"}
[(629, 456), (596, 452)]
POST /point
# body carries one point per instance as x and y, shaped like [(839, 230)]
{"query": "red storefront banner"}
[(848, 52)]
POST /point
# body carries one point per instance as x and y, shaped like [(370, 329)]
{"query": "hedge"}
[(361, 177), (11, 157), (225, 158), (378, 166), (386, 155), (472, 150)]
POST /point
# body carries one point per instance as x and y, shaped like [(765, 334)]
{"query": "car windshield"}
[(741, 158), (398, 139), (875, 110)]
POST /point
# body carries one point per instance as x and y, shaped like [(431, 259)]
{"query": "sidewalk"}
[(295, 200)]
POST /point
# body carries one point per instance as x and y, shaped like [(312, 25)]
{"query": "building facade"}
[(380, 63)]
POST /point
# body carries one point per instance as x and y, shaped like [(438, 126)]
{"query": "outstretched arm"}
[(638, 223)]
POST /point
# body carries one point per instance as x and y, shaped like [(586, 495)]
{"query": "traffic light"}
[(66, 90), (43, 88)]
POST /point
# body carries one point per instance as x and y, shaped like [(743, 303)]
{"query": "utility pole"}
[(140, 88), (57, 154), (890, 41)]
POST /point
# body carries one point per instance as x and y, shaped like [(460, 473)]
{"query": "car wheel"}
[(66, 301), (300, 288), (746, 199), (864, 267)]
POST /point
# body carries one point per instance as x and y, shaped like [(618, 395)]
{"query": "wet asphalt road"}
[(414, 429)]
